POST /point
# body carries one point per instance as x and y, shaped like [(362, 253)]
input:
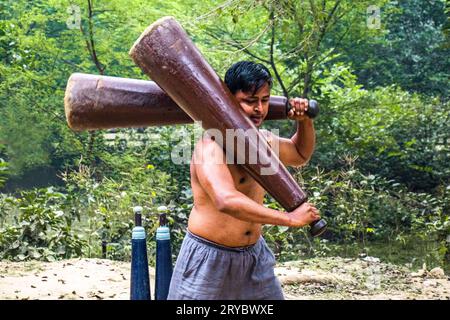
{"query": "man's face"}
[(255, 105)]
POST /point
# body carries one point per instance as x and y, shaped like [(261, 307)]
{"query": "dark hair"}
[(247, 76)]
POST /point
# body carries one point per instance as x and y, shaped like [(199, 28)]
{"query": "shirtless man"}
[(224, 255)]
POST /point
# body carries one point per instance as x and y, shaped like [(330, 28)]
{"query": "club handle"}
[(162, 219), (313, 108), (137, 216), (317, 227)]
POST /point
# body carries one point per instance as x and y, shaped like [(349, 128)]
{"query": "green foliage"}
[(3, 172), (361, 209), (409, 49), (45, 224), (41, 229), (395, 134), (31, 87), (105, 206), (290, 37), (382, 141)]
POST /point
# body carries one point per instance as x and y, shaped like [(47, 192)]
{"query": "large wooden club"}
[(95, 102), (167, 55)]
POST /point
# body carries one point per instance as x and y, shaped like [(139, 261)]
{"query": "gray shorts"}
[(208, 271)]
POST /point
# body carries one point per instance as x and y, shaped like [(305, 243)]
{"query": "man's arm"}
[(216, 179), (297, 150)]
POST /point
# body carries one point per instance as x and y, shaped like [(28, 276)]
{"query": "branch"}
[(249, 44), (323, 28), (218, 8), (91, 36), (338, 42), (235, 44), (90, 44), (309, 61), (93, 53), (272, 62)]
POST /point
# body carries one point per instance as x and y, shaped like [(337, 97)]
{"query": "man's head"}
[(250, 83)]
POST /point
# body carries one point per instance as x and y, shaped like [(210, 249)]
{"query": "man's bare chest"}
[(244, 182)]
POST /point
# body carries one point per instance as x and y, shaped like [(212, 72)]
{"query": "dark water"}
[(42, 177)]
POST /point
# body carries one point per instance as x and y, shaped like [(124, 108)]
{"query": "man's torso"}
[(208, 222)]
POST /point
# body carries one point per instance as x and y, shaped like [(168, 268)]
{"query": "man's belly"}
[(213, 225)]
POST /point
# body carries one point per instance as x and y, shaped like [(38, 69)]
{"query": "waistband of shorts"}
[(209, 243)]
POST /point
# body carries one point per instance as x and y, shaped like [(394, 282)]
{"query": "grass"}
[(412, 254)]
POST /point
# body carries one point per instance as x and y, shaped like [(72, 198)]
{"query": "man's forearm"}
[(243, 208), (305, 138)]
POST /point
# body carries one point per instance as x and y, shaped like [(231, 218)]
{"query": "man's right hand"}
[(303, 215)]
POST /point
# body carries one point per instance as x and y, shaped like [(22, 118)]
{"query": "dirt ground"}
[(319, 278)]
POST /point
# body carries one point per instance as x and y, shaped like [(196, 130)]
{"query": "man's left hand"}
[(299, 106)]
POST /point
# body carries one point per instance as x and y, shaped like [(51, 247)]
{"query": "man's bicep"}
[(287, 152)]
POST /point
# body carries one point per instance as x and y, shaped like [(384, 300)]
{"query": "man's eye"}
[(250, 101)]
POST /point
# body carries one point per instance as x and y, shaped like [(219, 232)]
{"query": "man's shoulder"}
[(207, 142), (208, 146)]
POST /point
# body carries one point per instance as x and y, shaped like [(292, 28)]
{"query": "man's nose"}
[(258, 107)]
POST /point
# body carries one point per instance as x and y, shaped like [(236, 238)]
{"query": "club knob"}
[(318, 227), (137, 216), (313, 109)]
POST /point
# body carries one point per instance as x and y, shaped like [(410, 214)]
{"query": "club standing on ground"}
[(140, 282), (163, 257)]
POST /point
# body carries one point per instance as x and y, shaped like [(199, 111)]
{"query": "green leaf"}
[(282, 229), (35, 255), (21, 257)]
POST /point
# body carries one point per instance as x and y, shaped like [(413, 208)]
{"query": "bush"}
[(394, 134), (362, 208), (45, 224), (3, 172), (105, 205), (41, 229)]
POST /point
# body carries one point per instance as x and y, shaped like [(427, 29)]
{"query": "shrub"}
[(41, 229)]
